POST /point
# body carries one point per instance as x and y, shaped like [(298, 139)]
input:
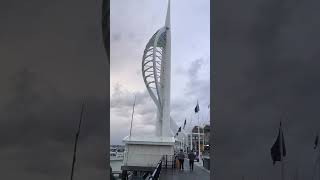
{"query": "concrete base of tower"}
[(147, 151)]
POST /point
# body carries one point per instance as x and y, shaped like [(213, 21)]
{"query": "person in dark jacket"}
[(181, 158), (191, 157)]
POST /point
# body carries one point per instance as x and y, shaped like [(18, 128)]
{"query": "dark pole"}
[(76, 141), (106, 26)]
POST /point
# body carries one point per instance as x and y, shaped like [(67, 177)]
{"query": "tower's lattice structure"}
[(156, 72)]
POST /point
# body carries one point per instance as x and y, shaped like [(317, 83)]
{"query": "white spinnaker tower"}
[(156, 72)]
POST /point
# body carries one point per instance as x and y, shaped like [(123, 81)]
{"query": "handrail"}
[(168, 161), (156, 172)]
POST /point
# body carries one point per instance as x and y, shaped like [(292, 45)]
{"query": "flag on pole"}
[(197, 108), (185, 122), (316, 141), (276, 154)]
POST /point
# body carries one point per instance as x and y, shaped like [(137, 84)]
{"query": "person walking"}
[(181, 159), (191, 157)]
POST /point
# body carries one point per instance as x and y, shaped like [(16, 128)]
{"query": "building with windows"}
[(204, 138)]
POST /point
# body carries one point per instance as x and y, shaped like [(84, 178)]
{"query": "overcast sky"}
[(132, 25)]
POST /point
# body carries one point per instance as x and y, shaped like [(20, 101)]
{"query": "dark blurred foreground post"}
[(106, 26)]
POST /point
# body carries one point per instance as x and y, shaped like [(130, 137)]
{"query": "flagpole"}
[(203, 136), (126, 154), (199, 136), (315, 166), (318, 161), (191, 148), (197, 109), (317, 158), (134, 103), (281, 153), (183, 144), (76, 141)]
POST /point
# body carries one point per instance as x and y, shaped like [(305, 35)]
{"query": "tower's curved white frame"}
[(156, 72)]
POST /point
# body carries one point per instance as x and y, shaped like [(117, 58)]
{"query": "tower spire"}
[(168, 15)]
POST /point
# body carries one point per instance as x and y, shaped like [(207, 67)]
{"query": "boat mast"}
[(134, 103)]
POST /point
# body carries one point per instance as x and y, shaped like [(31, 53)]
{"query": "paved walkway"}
[(176, 174)]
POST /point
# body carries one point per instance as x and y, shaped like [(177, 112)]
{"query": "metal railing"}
[(156, 173), (165, 162), (168, 161)]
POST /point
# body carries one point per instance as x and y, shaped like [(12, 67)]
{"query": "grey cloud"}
[(124, 98), (121, 111), (197, 87), (195, 67), (116, 36)]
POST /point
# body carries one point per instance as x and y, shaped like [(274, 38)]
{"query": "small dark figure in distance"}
[(181, 158)]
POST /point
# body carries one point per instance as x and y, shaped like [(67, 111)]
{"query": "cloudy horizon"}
[(132, 24)]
